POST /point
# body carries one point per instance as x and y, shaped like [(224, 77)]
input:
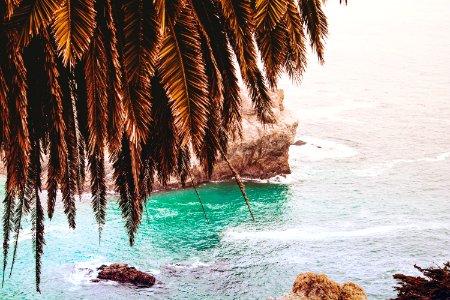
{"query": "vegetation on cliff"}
[(434, 285)]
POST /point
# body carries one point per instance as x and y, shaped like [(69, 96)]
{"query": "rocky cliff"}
[(262, 152)]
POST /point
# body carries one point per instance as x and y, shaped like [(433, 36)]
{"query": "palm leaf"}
[(32, 16), (73, 28), (183, 76), (272, 44), (142, 37), (115, 111), (316, 24), (4, 111), (239, 22), (296, 53), (129, 202), (57, 161), (268, 13)]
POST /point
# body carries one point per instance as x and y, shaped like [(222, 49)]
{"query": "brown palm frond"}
[(70, 180), (97, 101), (37, 216), (296, 53), (161, 147), (130, 204), (30, 192), (183, 76), (57, 128), (115, 111), (239, 21), (208, 15), (8, 225), (273, 47), (17, 153), (142, 41), (73, 28), (316, 24), (98, 187), (268, 13), (32, 16), (4, 112)]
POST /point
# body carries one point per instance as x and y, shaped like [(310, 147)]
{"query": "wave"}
[(319, 234), (189, 265), (377, 170), (317, 149), (84, 271)]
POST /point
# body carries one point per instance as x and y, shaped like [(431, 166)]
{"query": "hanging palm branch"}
[(149, 84)]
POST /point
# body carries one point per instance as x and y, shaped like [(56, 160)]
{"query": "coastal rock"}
[(312, 286), (125, 274), (263, 150)]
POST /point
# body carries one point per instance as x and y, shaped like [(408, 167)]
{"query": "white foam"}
[(191, 265), (379, 169), (317, 149), (318, 234), (84, 271)]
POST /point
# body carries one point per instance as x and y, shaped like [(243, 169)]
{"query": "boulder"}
[(125, 274), (312, 286)]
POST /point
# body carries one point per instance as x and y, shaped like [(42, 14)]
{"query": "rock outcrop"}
[(125, 274), (311, 286), (263, 151)]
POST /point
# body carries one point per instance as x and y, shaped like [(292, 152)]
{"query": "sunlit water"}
[(368, 197)]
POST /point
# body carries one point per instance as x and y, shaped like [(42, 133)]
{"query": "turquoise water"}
[(299, 228)]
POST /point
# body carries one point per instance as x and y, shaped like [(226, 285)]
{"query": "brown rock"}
[(299, 143), (311, 286), (352, 291), (125, 274)]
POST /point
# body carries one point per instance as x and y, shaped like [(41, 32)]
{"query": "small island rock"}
[(125, 274)]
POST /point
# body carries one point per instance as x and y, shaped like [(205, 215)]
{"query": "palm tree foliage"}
[(147, 81)]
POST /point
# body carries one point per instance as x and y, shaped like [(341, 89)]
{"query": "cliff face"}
[(262, 152)]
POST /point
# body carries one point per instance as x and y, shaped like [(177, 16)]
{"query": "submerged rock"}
[(311, 286), (125, 274)]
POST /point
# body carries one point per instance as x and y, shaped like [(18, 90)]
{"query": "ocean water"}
[(368, 197)]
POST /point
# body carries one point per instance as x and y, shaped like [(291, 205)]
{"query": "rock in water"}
[(125, 274), (311, 286)]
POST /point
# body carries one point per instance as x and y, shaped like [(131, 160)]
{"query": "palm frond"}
[(32, 16), (129, 202), (142, 37), (296, 53), (239, 21), (8, 211), (183, 76), (316, 24), (4, 112), (57, 161), (37, 229), (98, 187), (272, 44), (215, 28), (115, 110), (73, 28), (17, 152)]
